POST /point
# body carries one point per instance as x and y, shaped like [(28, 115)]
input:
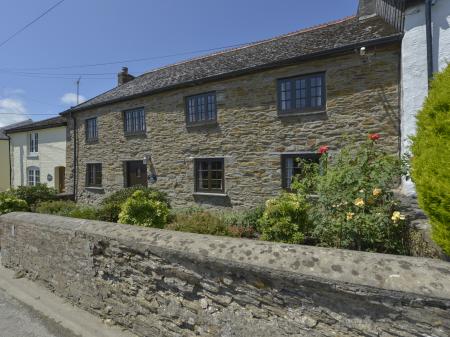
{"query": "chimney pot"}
[(124, 77)]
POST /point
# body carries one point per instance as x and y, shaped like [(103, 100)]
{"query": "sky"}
[(39, 67)]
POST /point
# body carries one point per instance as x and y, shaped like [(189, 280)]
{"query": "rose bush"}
[(354, 206)]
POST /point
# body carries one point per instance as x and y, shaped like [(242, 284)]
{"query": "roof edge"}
[(368, 43), (31, 128)]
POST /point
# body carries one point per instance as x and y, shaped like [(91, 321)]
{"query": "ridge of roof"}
[(250, 44), (313, 40), (42, 124)]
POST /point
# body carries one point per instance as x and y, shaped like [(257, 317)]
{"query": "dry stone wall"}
[(362, 97), (162, 283)]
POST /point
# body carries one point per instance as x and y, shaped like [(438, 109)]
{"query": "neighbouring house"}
[(5, 164), (226, 129), (425, 50), (38, 153)]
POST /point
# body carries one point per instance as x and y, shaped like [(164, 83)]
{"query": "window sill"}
[(94, 188), (301, 114), (136, 135), (210, 124), (206, 194), (33, 156), (91, 141)]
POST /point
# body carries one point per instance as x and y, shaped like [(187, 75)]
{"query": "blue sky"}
[(85, 32)]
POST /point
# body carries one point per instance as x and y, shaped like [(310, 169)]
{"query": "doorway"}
[(136, 173), (60, 177)]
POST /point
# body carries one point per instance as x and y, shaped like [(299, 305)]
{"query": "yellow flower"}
[(359, 202), (350, 216), (396, 216), (376, 192)]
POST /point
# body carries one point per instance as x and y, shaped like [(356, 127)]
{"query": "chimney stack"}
[(123, 77), (367, 8)]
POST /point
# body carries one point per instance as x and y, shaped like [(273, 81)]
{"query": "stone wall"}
[(162, 283), (362, 97)]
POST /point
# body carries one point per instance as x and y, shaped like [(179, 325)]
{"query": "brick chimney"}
[(123, 77), (367, 8)]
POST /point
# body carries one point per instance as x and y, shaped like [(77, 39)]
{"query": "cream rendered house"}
[(5, 167), (38, 153)]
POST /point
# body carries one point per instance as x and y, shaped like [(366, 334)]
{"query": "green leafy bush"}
[(9, 203), (67, 208), (285, 219), (355, 208), (84, 212), (243, 224), (143, 210), (198, 221), (34, 194), (57, 207), (110, 207), (431, 158)]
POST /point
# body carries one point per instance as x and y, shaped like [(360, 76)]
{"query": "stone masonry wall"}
[(362, 97), (162, 283)]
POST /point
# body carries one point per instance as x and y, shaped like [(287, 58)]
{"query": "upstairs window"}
[(134, 121), (34, 143), (94, 175), (209, 175), (292, 166), (34, 176), (302, 94), (91, 130), (201, 108)]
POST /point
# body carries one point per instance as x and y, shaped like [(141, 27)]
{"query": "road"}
[(19, 320)]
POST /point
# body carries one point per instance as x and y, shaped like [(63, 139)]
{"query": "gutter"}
[(370, 43), (428, 20)]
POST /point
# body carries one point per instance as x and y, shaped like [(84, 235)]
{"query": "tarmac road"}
[(19, 320)]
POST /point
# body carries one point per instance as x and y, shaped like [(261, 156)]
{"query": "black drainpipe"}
[(10, 164), (428, 4), (74, 166)]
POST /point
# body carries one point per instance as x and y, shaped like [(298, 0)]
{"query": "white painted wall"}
[(414, 65), (52, 153)]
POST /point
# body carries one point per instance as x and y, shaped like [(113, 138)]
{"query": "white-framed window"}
[(33, 143), (34, 176)]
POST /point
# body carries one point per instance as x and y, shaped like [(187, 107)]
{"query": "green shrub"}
[(67, 208), (285, 219), (57, 207), (200, 222), (84, 212), (34, 194), (9, 203), (431, 158), (243, 224), (144, 210), (355, 208), (110, 207)]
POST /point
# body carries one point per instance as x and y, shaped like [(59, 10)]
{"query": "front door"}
[(136, 173)]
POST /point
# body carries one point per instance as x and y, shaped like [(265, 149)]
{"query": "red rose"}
[(374, 136), (323, 149)]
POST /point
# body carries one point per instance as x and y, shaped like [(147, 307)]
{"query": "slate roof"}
[(44, 124), (333, 37), (3, 135)]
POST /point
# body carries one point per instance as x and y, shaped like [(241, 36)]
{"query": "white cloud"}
[(12, 110), (71, 99)]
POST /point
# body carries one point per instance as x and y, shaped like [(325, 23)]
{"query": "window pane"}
[(201, 108), (209, 175), (134, 121), (302, 93)]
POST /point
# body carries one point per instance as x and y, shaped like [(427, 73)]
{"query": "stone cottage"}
[(226, 129)]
